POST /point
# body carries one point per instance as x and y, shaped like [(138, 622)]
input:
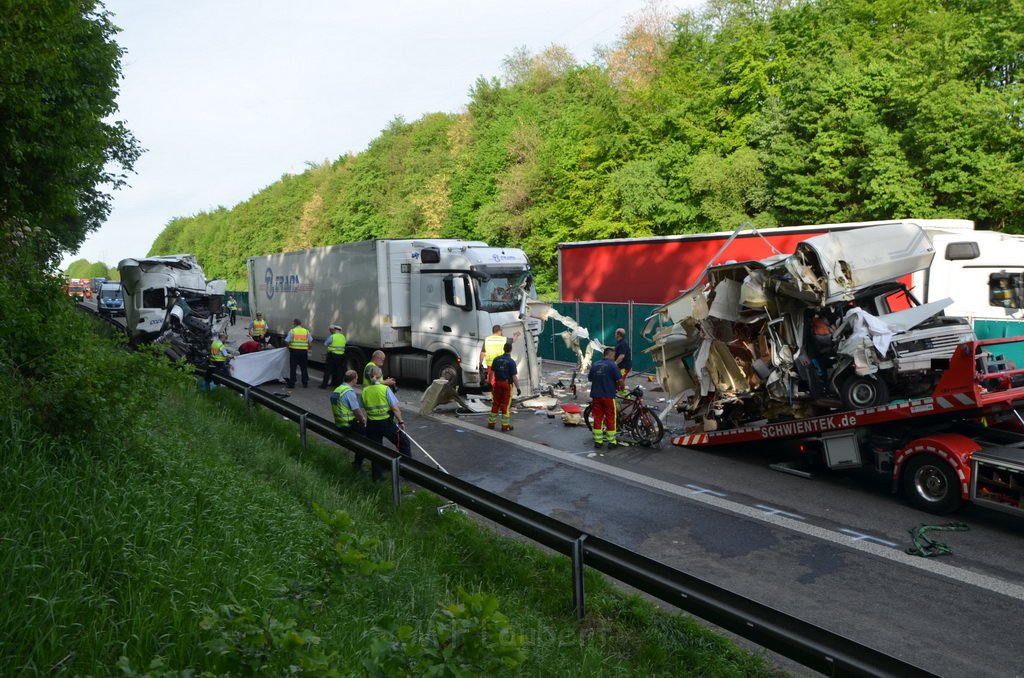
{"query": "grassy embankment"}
[(142, 519)]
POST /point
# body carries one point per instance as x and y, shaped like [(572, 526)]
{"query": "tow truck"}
[(964, 442)]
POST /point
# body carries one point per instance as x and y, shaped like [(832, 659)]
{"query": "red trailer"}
[(965, 442)]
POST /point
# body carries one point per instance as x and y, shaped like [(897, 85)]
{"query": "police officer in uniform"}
[(258, 328), (383, 418), (233, 308), (377, 359), (348, 410), (335, 363), (219, 357), (298, 342)]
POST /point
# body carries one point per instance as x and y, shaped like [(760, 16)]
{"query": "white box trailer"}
[(427, 303)]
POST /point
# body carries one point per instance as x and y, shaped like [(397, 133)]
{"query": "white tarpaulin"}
[(261, 367), (864, 325)]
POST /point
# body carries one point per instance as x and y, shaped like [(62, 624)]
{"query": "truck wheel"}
[(445, 367), (931, 484), (354, 360), (858, 392)]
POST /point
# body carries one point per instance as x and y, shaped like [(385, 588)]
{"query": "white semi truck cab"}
[(427, 303)]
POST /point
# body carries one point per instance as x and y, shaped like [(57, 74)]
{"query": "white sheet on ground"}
[(259, 368)]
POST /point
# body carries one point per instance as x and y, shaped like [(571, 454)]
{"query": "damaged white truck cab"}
[(170, 295), (830, 326)]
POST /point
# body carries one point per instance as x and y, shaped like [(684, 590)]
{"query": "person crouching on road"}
[(383, 418), (219, 357), (298, 342), (349, 414), (503, 371), (334, 366), (604, 380), (251, 346)]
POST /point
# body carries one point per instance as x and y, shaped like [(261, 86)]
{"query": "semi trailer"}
[(427, 303)]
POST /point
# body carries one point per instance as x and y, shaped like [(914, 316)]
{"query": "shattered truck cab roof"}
[(839, 263)]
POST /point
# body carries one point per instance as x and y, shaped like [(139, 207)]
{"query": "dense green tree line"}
[(777, 112), (60, 154), (83, 268)]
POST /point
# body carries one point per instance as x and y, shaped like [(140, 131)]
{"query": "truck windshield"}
[(502, 290)]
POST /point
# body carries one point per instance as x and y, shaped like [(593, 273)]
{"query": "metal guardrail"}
[(801, 641)]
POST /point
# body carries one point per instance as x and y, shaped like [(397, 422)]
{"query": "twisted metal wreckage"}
[(830, 326)]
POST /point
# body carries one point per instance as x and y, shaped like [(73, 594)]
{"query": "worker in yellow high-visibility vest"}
[(494, 346), (334, 365), (298, 341), (258, 329), (219, 357), (384, 418)]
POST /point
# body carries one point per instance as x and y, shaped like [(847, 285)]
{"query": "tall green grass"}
[(158, 523)]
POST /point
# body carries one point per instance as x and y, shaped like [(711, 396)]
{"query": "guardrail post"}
[(577, 578), (302, 429), (396, 489)]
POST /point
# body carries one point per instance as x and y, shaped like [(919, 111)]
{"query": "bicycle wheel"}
[(647, 428), (588, 417)]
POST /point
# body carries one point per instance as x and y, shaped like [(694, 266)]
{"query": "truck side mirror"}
[(458, 292), (1005, 290), (962, 251)]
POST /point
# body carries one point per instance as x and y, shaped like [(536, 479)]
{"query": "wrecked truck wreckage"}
[(169, 302), (830, 326)]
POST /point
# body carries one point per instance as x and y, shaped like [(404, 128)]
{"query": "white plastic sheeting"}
[(261, 367)]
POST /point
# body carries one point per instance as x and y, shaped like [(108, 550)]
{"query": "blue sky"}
[(229, 95)]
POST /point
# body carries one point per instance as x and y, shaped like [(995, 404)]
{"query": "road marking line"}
[(703, 490), (779, 512), (860, 536)]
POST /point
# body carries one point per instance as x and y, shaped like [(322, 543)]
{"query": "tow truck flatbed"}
[(932, 445)]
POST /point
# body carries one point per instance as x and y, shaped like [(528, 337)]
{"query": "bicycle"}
[(633, 418)]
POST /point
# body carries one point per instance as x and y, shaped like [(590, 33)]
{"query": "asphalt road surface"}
[(829, 550)]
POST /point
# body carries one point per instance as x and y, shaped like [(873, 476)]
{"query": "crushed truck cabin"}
[(828, 327)]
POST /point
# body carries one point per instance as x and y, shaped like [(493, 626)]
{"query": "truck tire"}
[(355, 360), (858, 392), (445, 367), (931, 484)]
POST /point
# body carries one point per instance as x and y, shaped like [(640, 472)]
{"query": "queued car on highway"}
[(110, 300)]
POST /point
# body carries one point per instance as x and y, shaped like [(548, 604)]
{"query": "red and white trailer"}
[(965, 442)]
